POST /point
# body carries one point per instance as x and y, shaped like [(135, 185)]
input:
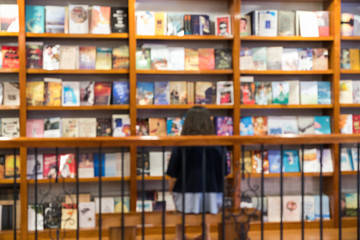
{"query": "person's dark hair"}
[(198, 122)]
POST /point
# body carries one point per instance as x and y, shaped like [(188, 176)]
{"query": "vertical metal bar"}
[(183, 190), (339, 202), (77, 193), (302, 194), (242, 162), (163, 193), (321, 191), (57, 164), (143, 194), (358, 191), (223, 169), (100, 192), (15, 192), (281, 190), (122, 194), (203, 192), (262, 192), (36, 192)]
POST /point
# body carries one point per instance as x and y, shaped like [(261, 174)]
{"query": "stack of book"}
[(272, 23), (349, 159), (350, 24), (286, 59), (350, 58), (179, 24), (53, 57), (161, 57), (349, 123), (76, 19), (9, 94), (349, 91), (10, 127), (7, 166), (274, 125)]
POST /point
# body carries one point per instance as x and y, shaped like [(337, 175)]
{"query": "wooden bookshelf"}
[(350, 105), (280, 72), (285, 39), (152, 178), (184, 106), (289, 174), (9, 70), (345, 71), (186, 37), (77, 71), (9, 34), (87, 36), (8, 181), (78, 108), (279, 106), (186, 72), (81, 180), (348, 172), (4, 107), (350, 38), (255, 226)]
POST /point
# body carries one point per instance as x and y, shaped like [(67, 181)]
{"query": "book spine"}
[(195, 24)]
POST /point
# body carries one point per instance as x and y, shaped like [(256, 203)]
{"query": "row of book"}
[(10, 127), (349, 159), (161, 57), (350, 58), (291, 161), (272, 23), (274, 125), (349, 124), (77, 19), (286, 59), (291, 206), (285, 92), (53, 57), (9, 94), (55, 92), (350, 24), (176, 24), (349, 91), (181, 92)]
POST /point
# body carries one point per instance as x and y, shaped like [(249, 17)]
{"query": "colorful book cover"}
[(305, 59), (345, 59), (86, 165), (257, 159), (120, 57), (120, 92), (309, 92), (346, 92), (79, 19), (311, 163), (52, 127), (274, 157), (159, 57), (191, 59), (35, 19), (162, 93), (67, 167), (351, 202), (356, 124), (119, 20), (223, 59), (100, 20), (35, 128), (246, 126), (143, 60), (103, 58), (160, 23), (103, 127), (205, 93), (34, 55), (69, 216), (224, 126), (11, 94), (102, 92), (142, 127), (10, 127), (347, 24), (346, 160), (346, 123), (145, 23), (143, 163), (2, 166), (320, 59), (225, 92), (323, 23), (245, 25), (119, 204), (35, 93), (55, 19), (9, 17), (292, 208), (87, 57), (247, 91), (145, 93), (223, 26), (322, 125), (275, 125), (157, 127), (10, 56), (263, 93), (121, 125), (280, 92), (70, 93), (259, 58), (291, 161), (51, 57), (290, 59), (87, 127), (268, 23), (260, 126), (354, 58), (52, 91), (324, 92), (178, 92), (206, 58), (12, 166), (175, 24), (87, 93), (69, 127), (174, 126), (246, 59), (49, 166)]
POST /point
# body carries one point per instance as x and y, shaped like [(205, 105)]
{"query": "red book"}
[(49, 166), (206, 58), (67, 165), (356, 124), (10, 56), (247, 91), (102, 93)]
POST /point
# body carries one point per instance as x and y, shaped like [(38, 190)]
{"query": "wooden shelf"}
[(347, 71), (281, 72), (184, 106), (289, 174), (152, 178), (89, 36), (9, 34), (9, 70), (350, 38), (279, 106), (350, 105), (348, 172), (9, 181), (255, 226), (349, 222), (204, 72), (77, 71), (186, 37), (4, 107), (82, 180), (285, 39), (78, 108)]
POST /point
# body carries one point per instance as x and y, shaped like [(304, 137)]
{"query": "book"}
[(69, 216), (327, 162), (323, 23), (10, 57), (103, 127), (260, 125), (120, 57), (176, 59), (309, 208), (160, 23), (286, 23), (223, 25), (1, 93), (354, 158), (52, 127), (257, 159), (225, 92), (52, 91), (224, 126), (275, 125), (291, 161), (144, 93), (49, 165), (162, 93), (11, 94), (142, 127), (290, 59), (100, 20), (9, 18), (223, 59), (246, 59), (292, 208), (325, 207), (247, 91), (246, 126), (356, 124), (34, 55), (54, 19), (157, 127), (156, 163), (120, 92), (320, 59), (159, 57), (345, 159), (86, 165), (70, 93), (69, 57), (309, 92), (52, 213), (87, 127), (191, 59), (67, 165), (69, 127), (206, 58), (78, 19), (305, 59), (354, 58), (311, 163), (245, 25), (345, 58), (87, 215), (356, 25), (87, 57), (273, 211), (346, 123), (103, 58), (259, 58), (102, 93), (174, 126), (2, 166), (143, 163), (268, 23), (147, 206), (119, 204), (51, 57), (346, 92), (294, 92), (351, 200), (322, 125), (87, 93), (274, 157), (263, 92), (347, 24), (35, 128), (119, 20), (289, 125), (178, 92), (10, 127), (34, 19), (143, 60), (324, 92), (175, 24), (111, 169), (37, 210), (12, 166), (274, 58), (35, 93), (121, 125), (205, 93), (306, 125), (280, 92), (145, 23), (308, 24)]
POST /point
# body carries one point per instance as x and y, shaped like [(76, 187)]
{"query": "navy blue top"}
[(193, 159)]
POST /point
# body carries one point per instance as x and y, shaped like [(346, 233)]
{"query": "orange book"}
[(191, 59), (256, 161), (100, 20), (354, 58), (160, 23), (260, 125), (206, 58), (52, 92), (157, 127)]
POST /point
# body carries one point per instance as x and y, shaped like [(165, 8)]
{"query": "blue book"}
[(35, 19), (325, 207), (322, 125), (324, 92), (246, 127), (174, 126), (96, 164), (145, 93), (274, 161), (162, 93), (110, 165), (291, 161), (120, 93)]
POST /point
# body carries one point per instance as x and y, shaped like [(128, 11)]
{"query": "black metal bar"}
[(223, 169), (358, 191), (321, 192), (143, 194), (203, 192), (57, 164), (122, 194), (36, 192), (262, 192), (242, 162), (15, 193), (302, 194), (77, 194), (100, 192), (163, 193), (183, 190), (339, 202), (281, 191)]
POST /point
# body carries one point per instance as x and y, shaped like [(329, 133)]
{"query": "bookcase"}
[(235, 8)]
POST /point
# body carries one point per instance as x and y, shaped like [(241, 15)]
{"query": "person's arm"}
[(172, 182), (173, 168)]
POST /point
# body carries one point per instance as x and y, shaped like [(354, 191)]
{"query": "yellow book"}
[(355, 59), (52, 92), (9, 166), (191, 59), (160, 23), (35, 93)]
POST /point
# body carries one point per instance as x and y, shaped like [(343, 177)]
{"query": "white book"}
[(111, 164), (87, 127), (356, 91), (356, 25), (306, 124), (292, 208), (107, 205), (52, 127), (273, 208), (51, 57), (11, 94), (294, 97), (159, 57), (327, 162), (148, 206), (346, 92), (121, 125), (309, 208), (345, 160), (246, 59), (145, 23), (10, 12), (87, 93), (70, 93), (247, 79), (78, 19), (156, 162), (170, 206), (225, 92), (31, 218), (10, 127), (311, 160), (347, 123), (309, 92), (31, 166), (290, 59), (87, 215), (274, 58), (289, 124), (305, 59), (354, 157), (268, 23), (176, 58), (1, 94), (126, 164), (69, 57), (275, 125), (70, 127), (308, 24)]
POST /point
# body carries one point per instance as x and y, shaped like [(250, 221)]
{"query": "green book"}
[(143, 60)]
